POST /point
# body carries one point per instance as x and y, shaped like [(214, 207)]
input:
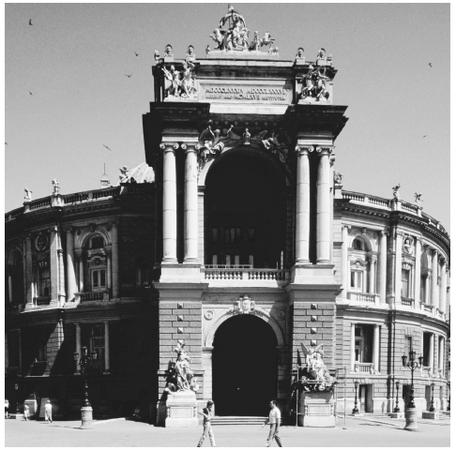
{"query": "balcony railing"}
[(245, 272), (427, 307), (364, 367), (363, 297), (92, 296), (407, 301)]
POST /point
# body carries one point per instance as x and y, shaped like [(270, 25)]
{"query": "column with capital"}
[(28, 272), (344, 263), (107, 367), (302, 204), (435, 291), (398, 268), (382, 264), (323, 206), (115, 261), (80, 268), (71, 275), (54, 265), (443, 288), (190, 204), (417, 287), (372, 278), (376, 347), (169, 203)]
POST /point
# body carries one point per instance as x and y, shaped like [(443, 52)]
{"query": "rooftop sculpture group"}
[(232, 34)]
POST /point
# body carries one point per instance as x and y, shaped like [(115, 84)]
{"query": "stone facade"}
[(206, 240)]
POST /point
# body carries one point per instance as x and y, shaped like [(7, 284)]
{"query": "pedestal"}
[(181, 409), (86, 417), (316, 409), (430, 415), (411, 423)]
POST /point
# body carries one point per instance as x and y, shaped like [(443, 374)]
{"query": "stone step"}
[(238, 420)]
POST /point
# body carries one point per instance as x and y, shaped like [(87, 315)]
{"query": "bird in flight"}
[(107, 148), (128, 75), (136, 53), (425, 136), (430, 64), (30, 22), (30, 92)]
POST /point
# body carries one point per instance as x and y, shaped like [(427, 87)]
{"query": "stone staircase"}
[(238, 420)]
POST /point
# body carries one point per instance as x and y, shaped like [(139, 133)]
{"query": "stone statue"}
[(173, 76), (314, 85), (396, 191), (55, 187), (266, 40), (210, 144), (190, 53), (230, 18), (169, 51), (123, 177), (246, 136), (184, 375), (27, 195), (321, 56), (187, 84), (338, 178), (219, 38), (300, 55), (418, 199), (156, 55), (315, 375)]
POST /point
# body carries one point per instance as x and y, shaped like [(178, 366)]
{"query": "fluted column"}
[(191, 204), (169, 204), (382, 266), (71, 286), (115, 261), (376, 347), (398, 268), (435, 291), (107, 367), (323, 206), (302, 204), (344, 262), (77, 348), (443, 288), (417, 288)]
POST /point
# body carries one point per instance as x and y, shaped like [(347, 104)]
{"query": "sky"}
[(67, 94)]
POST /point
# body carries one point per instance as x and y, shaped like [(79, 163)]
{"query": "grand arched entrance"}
[(244, 366)]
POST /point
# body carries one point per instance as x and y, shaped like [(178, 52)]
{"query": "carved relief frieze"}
[(244, 305)]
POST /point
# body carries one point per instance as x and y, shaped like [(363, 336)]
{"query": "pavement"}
[(359, 431)]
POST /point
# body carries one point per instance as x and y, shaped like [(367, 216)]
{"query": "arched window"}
[(358, 244), (96, 264), (360, 263)]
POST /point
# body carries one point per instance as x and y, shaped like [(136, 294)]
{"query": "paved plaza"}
[(366, 431)]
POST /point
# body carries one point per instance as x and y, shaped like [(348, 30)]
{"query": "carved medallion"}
[(208, 315), (42, 241), (245, 305)]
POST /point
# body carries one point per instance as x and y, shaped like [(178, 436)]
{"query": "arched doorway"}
[(244, 366)]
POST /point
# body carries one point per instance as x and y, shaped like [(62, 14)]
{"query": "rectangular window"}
[(427, 349), (98, 279), (356, 280), (405, 292), (214, 260)]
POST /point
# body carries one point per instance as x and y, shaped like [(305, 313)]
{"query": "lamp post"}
[(355, 409), (431, 406), (410, 411), (16, 395), (86, 409), (396, 408), (449, 397)]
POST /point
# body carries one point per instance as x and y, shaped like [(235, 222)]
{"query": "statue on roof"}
[(55, 187), (27, 195), (230, 18)]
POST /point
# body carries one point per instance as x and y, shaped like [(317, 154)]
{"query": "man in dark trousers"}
[(274, 423), (207, 414)]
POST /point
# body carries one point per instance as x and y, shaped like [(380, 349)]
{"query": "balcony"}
[(244, 275), (363, 297), (92, 296), (406, 301), (366, 368)]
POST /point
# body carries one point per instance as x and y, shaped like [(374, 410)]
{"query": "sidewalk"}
[(363, 431)]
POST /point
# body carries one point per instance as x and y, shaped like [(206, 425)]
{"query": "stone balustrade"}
[(364, 367), (92, 296), (244, 273), (363, 297)]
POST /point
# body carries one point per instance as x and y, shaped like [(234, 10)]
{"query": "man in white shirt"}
[(274, 424), (207, 414)]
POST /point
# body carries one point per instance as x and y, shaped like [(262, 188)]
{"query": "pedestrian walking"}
[(48, 411), (274, 424), (26, 412), (207, 414)]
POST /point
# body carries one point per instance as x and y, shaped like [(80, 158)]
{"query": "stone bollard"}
[(86, 417), (411, 423)]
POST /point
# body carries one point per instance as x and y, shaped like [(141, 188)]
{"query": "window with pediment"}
[(360, 265), (96, 264)]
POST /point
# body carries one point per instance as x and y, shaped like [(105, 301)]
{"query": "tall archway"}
[(245, 210), (244, 366)]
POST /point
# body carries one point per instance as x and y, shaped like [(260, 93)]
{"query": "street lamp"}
[(410, 412), (355, 409), (86, 409), (431, 406), (396, 408)]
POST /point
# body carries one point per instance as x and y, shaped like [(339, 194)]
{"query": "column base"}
[(180, 273), (313, 274), (86, 417)]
